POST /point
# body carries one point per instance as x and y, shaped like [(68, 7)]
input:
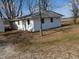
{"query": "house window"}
[(23, 22), (51, 20), (42, 20), (18, 22), (28, 21)]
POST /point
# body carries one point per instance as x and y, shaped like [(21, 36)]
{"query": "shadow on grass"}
[(62, 29), (34, 46), (3, 43), (63, 25), (71, 37), (18, 37)]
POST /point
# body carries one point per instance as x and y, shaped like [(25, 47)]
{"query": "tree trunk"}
[(11, 25), (41, 32), (75, 10), (75, 20), (39, 13)]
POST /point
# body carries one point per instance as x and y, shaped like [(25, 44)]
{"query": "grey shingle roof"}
[(43, 14)]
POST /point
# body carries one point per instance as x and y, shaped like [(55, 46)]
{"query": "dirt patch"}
[(60, 43)]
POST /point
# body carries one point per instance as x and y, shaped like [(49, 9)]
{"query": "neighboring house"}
[(32, 22), (2, 27)]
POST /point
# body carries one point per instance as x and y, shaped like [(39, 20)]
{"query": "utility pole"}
[(40, 17)]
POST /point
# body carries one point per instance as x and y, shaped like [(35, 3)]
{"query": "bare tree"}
[(0, 14), (30, 7), (19, 12), (45, 4), (8, 7), (39, 13), (10, 10), (31, 4), (75, 10)]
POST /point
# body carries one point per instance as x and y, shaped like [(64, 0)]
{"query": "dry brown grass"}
[(60, 43), (51, 36)]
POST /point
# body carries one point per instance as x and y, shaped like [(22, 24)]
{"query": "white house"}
[(2, 27), (32, 22)]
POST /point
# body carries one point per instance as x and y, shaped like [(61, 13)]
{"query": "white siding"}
[(35, 24), (30, 27), (2, 27), (47, 24), (18, 25), (23, 25)]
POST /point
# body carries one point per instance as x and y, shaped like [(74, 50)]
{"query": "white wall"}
[(35, 24), (30, 27), (2, 27), (27, 27), (47, 24), (18, 26), (23, 25)]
